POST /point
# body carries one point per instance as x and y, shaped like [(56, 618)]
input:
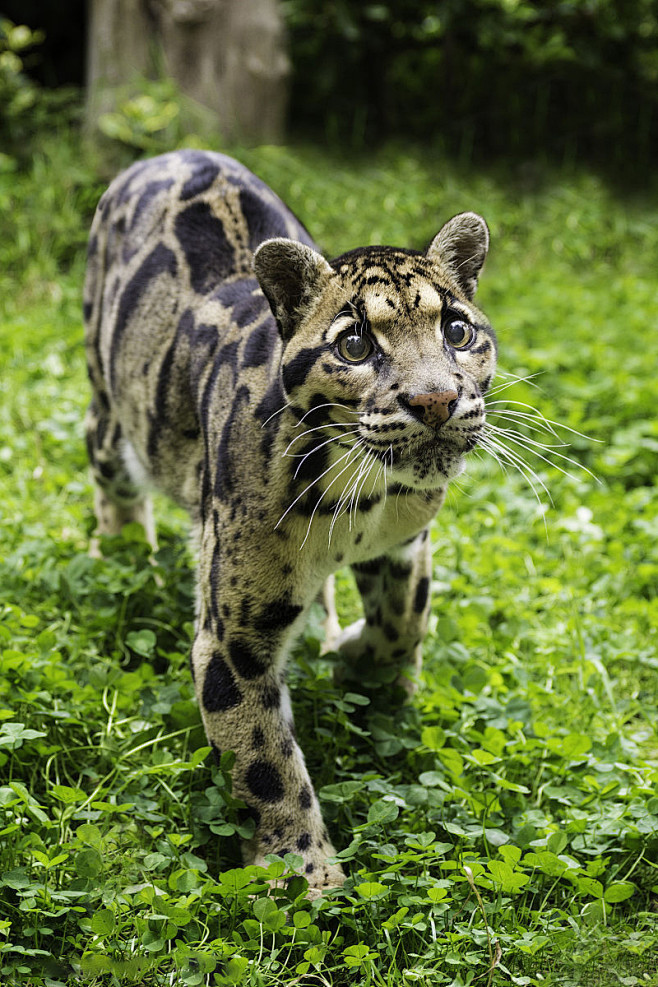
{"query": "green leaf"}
[(344, 791), (103, 922), (557, 842), (68, 795), (619, 891), (371, 889), (88, 863), (511, 881), (453, 761), (590, 886), (267, 912), (433, 737), (142, 642), (16, 878), (382, 812)]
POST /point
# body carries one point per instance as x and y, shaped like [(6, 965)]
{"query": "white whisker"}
[(322, 496), (328, 404), (339, 508), (317, 480), (532, 446), (334, 438), (288, 404), (319, 428), (517, 380), (513, 458)]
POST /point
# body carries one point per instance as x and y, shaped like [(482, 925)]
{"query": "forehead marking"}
[(381, 304), (384, 302)]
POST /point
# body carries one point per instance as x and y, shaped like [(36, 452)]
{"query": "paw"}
[(320, 874), (349, 642)]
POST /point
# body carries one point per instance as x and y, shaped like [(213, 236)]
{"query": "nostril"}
[(433, 409), (418, 411)]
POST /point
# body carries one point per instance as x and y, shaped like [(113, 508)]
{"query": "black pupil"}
[(457, 332), (356, 347)]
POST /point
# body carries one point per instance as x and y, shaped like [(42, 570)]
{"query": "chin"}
[(429, 471)]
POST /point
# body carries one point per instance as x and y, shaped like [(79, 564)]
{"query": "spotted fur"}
[(219, 345)]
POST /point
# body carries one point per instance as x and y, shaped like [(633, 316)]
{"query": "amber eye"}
[(355, 347), (458, 334)]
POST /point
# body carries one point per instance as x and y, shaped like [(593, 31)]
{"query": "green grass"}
[(511, 812)]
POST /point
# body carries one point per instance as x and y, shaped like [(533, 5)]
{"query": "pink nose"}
[(433, 409)]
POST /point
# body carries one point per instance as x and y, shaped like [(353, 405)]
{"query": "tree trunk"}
[(227, 55), (117, 52)]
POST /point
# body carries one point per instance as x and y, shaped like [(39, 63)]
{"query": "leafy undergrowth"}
[(501, 829)]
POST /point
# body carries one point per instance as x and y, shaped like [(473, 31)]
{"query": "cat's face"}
[(387, 344)]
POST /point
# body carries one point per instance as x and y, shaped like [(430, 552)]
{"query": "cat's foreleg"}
[(395, 590), (238, 662)]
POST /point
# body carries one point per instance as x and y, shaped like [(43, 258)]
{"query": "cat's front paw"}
[(320, 874)]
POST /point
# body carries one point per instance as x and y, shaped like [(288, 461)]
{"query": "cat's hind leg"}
[(118, 498)]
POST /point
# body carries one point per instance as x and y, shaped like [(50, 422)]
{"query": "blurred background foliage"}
[(563, 80)]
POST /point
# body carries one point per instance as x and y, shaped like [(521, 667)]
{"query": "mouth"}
[(423, 463)]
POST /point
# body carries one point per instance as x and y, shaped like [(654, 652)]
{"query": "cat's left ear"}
[(461, 247), (291, 274)]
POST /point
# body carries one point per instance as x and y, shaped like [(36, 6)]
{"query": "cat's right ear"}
[(291, 274)]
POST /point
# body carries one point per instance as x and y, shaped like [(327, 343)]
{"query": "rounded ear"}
[(290, 274), (461, 247)]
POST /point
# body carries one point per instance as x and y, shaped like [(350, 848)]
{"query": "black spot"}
[(229, 446), (209, 254), (161, 417), (305, 797), (245, 610), (297, 370), (206, 172), (273, 402), (260, 345), (310, 868), (214, 590), (264, 781), (312, 461), (263, 220), (287, 747), (220, 691), (204, 335), (270, 696), (399, 571), (369, 568), (304, 841), (248, 309), (258, 737), (276, 615), (368, 503), (390, 632), (422, 592), (246, 662), (87, 309), (161, 260), (128, 179)]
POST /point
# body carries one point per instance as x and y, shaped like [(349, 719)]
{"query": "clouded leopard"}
[(286, 402)]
